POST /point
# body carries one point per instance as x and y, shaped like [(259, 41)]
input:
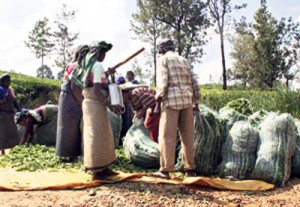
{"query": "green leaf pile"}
[(39, 157), (242, 106), (35, 157), (125, 165)]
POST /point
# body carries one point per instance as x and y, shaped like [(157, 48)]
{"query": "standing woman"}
[(68, 138), (99, 150), (8, 128)]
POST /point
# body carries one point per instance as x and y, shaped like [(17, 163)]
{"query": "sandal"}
[(190, 173), (159, 174), (103, 174)]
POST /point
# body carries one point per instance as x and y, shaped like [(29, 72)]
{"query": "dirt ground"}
[(137, 194)]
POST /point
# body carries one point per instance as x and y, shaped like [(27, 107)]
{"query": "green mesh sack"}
[(296, 157), (116, 126), (207, 143), (276, 147), (239, 151), (139, 148)]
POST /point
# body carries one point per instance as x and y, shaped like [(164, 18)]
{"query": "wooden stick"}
[(113, 69)]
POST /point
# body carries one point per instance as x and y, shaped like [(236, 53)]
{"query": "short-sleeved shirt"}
[(97, 73)]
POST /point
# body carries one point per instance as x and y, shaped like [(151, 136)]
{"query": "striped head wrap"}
[(87, 58)]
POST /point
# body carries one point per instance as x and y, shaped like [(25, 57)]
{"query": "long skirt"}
[(68, 136), (99, 151), (8, 131)]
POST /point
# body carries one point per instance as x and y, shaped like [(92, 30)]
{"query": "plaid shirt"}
[(142, 98), (176, 83)]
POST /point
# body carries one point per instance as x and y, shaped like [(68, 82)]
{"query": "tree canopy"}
[(273, 49), (39, 39)]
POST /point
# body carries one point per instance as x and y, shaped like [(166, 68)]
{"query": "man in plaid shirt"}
[(178, 91)]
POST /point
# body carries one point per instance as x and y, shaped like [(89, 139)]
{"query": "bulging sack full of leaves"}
[(207, 143), (257, 118), (208, 136), (139, 148), (296, 157), (276, 147), (231, 116), (239, 151), (228, 117), (242, 106), (116, 126)]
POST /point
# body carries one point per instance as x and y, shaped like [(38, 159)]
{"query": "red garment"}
[(152, 124), (70, 68), (29, 122)]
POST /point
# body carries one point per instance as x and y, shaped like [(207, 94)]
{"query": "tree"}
[(138, 71), (276, 49), (44, 72), (39, 39), (147, 28), (243, 55), (218, 10), (64, 38), (188, 21)]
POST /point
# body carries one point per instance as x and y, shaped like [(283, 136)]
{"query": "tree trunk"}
[(64, 58), (223, 61), (179, 40), (42, 57), (154, 60)]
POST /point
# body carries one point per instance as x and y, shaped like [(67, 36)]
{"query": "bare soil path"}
[(138, 194)]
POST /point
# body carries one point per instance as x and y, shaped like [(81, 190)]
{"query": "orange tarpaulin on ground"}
[(63, 179)]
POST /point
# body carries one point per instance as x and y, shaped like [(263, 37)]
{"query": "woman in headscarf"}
[(39, 125), (8, 128), (99, 150), (68, 140)]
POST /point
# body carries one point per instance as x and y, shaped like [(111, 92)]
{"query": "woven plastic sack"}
[(239, 151), (207, 143), (258, 117), (116, 126), (139, 148), (296, 157), (276, 147)]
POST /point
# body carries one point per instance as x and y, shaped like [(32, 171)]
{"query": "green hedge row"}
[(283, 101), (32, 92)]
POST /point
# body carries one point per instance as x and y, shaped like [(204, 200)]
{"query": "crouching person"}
[(143, 103), (39, 125)]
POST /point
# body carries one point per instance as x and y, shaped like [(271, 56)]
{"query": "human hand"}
[(195, 107), (158, 98)]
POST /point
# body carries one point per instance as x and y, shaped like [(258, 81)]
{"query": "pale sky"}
[(105, 20)]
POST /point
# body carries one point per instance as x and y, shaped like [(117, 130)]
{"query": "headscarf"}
[(78, 50), (24, 113), (3, 91), (166, 44), (86, 60), (3, 77), (120, 80)]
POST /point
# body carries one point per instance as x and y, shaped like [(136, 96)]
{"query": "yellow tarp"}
[(60, 180)]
